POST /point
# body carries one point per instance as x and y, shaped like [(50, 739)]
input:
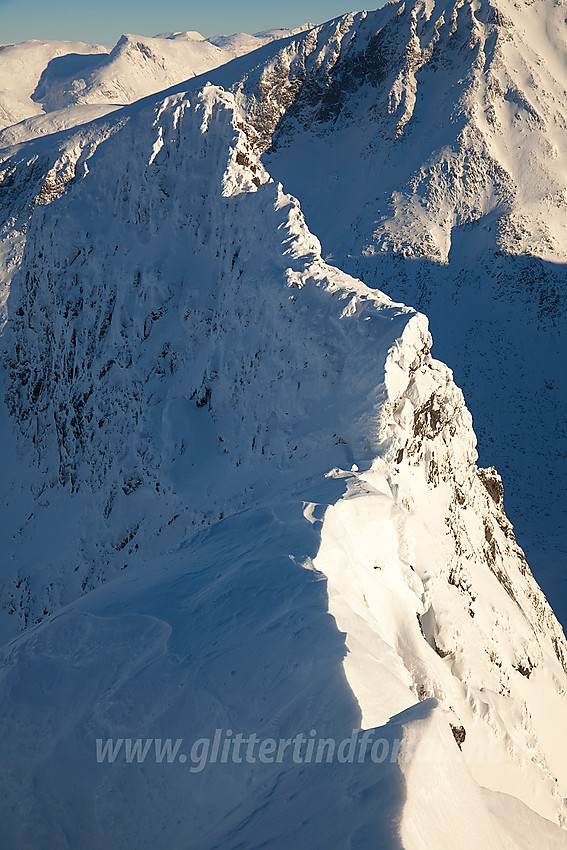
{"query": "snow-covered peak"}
[(189, 35), (136, 66), (21, 66)]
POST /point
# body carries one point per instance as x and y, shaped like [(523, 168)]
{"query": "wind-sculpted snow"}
[(237, 439)]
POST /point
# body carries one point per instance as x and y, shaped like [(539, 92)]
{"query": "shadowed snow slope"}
[(243, 495)]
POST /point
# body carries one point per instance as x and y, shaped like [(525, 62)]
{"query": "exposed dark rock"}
[(493, 484), (459, 734)]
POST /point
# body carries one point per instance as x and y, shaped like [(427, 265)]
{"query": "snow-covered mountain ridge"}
[(50, 86), (180, 357), (182, 324), (219, 440), (426, 142)]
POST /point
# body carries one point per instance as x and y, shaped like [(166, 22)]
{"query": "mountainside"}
[(219, 440), (46, 87), (427, 144), (239, 494)]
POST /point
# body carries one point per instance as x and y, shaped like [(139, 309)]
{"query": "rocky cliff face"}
[(422, 533)]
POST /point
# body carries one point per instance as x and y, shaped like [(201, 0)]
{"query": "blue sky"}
[(103, 21)]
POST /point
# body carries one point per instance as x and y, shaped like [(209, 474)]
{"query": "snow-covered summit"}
[(191, 35), (135, 67)]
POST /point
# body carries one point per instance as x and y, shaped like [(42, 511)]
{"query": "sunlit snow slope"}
[(241, 494)]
